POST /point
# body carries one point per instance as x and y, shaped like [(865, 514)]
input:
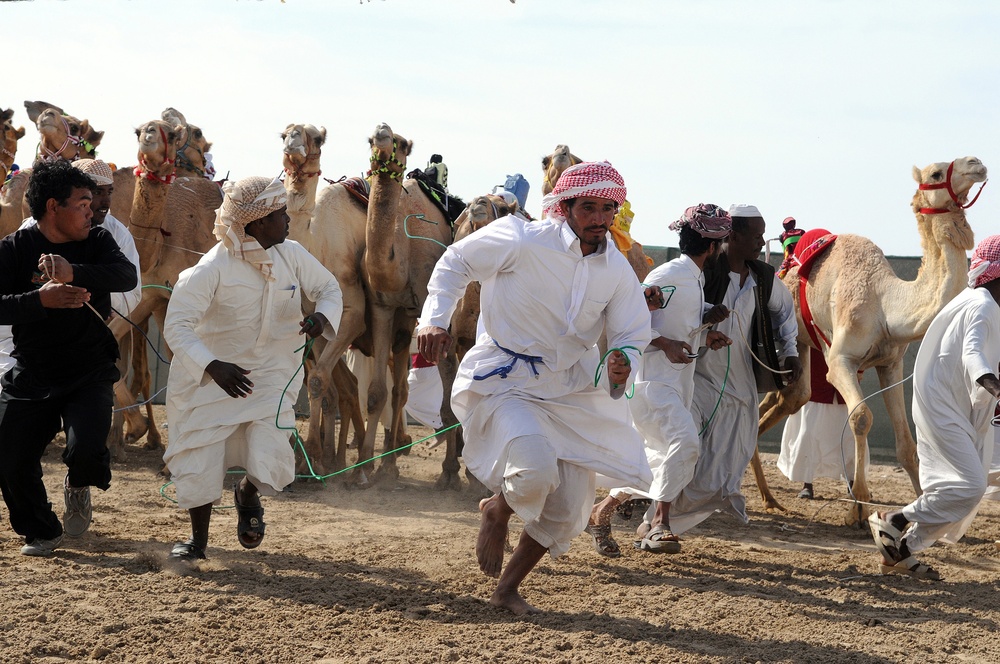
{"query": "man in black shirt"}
[(55, 280)]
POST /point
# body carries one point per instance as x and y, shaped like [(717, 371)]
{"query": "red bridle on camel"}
[(951, 192)]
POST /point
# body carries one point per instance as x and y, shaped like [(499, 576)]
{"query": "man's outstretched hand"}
[(232, 378)]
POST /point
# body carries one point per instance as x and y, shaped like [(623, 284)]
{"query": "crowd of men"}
[(667, 413)]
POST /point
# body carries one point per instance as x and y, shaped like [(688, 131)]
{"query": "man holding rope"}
[(725, 387), (55, 283), (662, 401), (955, 391), (233, 323), (537, 427)]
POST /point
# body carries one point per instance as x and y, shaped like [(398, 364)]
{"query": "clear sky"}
[(814, 109)]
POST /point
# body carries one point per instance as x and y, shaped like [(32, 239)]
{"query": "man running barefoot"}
[(537, 428)]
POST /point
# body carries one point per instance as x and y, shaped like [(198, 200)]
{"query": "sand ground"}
[(390, 576)]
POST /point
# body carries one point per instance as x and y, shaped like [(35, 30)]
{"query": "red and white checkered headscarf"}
[(590, 178), (985, 265)]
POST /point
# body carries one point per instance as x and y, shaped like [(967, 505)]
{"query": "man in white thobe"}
[(661, 404), (537, 428), (725, 391), (955, 391), (233, 323)]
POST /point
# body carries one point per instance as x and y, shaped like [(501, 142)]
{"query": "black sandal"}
[(251, 520), (186, 551)]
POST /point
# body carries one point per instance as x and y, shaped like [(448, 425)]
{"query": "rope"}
[(628, 363), (419, 237), (725, 379), (139, 404), (48, 273)]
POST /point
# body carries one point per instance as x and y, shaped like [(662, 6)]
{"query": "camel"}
[(75, 139), (383, 274), (302, 149), (869, 315), (552, 166), (190, 163), (172, 225), (13, 192)]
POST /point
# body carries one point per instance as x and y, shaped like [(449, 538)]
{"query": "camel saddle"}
[(451, 206), (358, 188), (813, 243)]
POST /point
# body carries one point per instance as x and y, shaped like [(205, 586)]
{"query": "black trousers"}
[(31, 414)]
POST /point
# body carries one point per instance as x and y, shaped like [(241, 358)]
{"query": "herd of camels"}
[(383, 253)]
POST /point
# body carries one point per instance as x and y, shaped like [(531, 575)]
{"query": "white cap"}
[(98, 171), (744, 210)]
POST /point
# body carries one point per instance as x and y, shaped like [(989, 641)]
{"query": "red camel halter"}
[(142, 171), (951, 192)]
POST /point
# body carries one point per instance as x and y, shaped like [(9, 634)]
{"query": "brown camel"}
[(869, 315), (552, 166), (383, 274), (74, 132), (302, 150), (190, 163), (172, 225), (13, 192)]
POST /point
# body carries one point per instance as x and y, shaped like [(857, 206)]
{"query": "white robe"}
[(542, 297), (223, 308), (661, 405), (952, 413), (815, 443), (731, 437), (123, 303)]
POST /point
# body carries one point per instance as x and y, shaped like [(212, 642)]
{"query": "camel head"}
[(303, 145), (91, 138), (554, 164), (158, 144), (64, 136), (944, 188), (191, 153), (484, 209), (8, 142), (389, 151)]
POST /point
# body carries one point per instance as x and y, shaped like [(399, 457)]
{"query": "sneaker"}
[(76, 520), (41, 547)]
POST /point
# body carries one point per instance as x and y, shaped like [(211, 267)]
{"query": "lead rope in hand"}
[(51, 277), (628, 363)]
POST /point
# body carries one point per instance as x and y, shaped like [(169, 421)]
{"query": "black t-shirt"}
[(57, 344)]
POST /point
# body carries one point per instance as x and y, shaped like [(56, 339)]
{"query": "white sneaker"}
[(41, 547), (79, 511)]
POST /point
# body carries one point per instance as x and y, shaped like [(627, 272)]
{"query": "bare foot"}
[(492, 537), (513, 602)]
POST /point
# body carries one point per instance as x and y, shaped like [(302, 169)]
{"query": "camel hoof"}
[(857, 517), (118, 454), (405, 444), (476, 488), (448, 479), (387, 476), (133, 437), (152, 443), (771, 505)]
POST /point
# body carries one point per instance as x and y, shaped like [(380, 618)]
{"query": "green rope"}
[(307, 348), (725, 379), (166, 288), (420, 237), (663, 289), (628, 362)]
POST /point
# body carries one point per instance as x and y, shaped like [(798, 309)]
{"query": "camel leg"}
[(388, 471), (322, 396), (381, 331), (844, 378), (775, 407), (350, 410), (906, 448), (448, 479), (153, 440), (136, 426)]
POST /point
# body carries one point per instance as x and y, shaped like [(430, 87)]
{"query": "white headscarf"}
[(245, 201)]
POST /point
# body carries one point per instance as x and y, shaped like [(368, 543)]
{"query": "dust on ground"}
[(390, 576)]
